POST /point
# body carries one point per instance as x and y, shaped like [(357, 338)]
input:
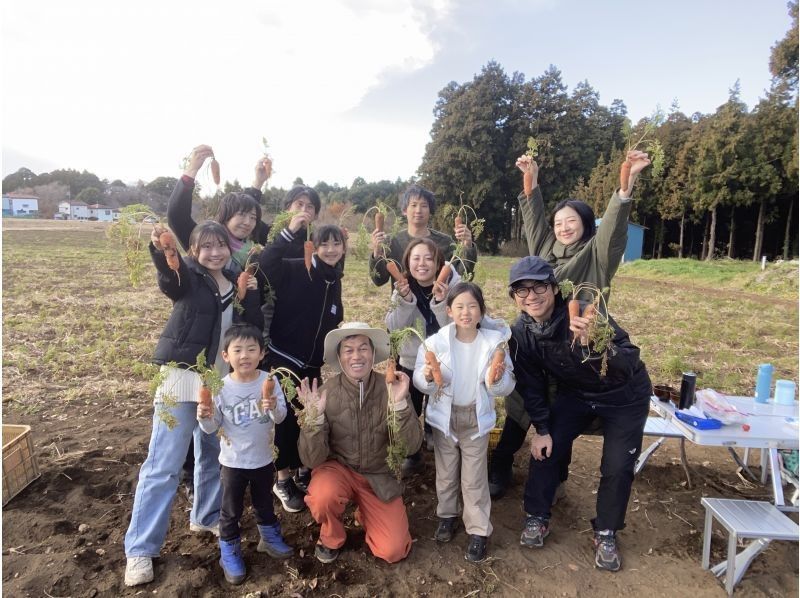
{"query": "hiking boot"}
[(476, 551), (561, 492), (412, 464), (272, 541), (302, 479), (231, 561), (290, 496), (198, 528), (499, 481), (606, 555), (326, 555), (138, 570), (446, 529), (536, 530)]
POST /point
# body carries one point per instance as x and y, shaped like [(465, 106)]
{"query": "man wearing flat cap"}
[(546, 341), (346, 446)]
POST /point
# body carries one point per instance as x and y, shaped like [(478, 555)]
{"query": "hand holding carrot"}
[(398, 389), (155, 236), (263, 171), (378, 238), (299, 220), (530, 172), (463, 235), (199, 155), (440, 290), (635, 162), (404, 290), (579, 325), (204, 411)]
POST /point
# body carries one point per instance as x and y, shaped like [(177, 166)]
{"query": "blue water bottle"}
[(763, 382)]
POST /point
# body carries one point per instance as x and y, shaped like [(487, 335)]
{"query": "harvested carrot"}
[(574, 308), (624, 176), (444, 273), (267, 388), (205, 397), (590, 311), (380, 219), (241, 285), (345, 233), (436, 369), (497, 366), (308, 252), (459, 221), (170, 249), (392, 268), (391, 372), (215, 171), (527, 182)]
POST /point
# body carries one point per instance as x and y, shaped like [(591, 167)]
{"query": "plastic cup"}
[(784, 392)]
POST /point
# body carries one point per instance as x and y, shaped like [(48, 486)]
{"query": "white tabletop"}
[(768, 423)]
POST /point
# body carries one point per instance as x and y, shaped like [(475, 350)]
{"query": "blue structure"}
[(633, 249)]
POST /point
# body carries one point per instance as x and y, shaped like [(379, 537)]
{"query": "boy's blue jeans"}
[(159, 476)]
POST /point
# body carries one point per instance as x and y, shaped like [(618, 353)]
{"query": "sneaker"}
[(291, 498), (561, 492), (204, 529), (138, 570), (446, 529), (412, 464), (606, 555), (302, 479), (536, 530), (326, 555), (476, 551), (499, 481)]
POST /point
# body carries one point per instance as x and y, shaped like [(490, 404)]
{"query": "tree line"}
[(728, 187)]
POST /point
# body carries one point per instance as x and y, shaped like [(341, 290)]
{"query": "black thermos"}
[(688, 385)]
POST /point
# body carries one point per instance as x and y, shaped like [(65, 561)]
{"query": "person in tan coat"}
[(346, 444)]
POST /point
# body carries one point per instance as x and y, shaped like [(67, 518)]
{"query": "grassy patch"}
[(76, 332)]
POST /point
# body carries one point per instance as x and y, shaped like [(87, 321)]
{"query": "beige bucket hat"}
[(378, 336)]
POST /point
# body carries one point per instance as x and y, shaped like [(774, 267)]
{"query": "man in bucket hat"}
[(346, 444), (546, 341)]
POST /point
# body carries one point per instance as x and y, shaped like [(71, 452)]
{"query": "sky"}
[(340, 88)]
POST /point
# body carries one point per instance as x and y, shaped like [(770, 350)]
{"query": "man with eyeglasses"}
[(546, 342)]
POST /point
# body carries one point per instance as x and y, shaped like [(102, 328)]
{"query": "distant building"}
[(73, 210), (16, 204), (633, 248), (103, 213)]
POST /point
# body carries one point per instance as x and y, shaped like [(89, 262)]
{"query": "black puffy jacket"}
[(194, 324), (538, 350)]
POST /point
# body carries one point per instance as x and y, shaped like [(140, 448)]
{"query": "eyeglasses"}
[(539, 288)]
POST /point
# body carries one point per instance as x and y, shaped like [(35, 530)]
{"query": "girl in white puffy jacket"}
[(461, 411), (419, 302)]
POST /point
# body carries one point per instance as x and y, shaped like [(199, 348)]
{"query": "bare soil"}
[(90, 460)]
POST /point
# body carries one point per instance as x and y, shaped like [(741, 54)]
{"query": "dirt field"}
[(62, 536)]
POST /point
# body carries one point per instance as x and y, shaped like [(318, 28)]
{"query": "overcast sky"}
[(340, 88)]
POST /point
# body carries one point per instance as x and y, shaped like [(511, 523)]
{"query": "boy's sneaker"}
[(326, 555), (290, 496), (476, 551), (198, 528), (446, 529), (302, 479), (138, 570), (536, 530), (606, 555)]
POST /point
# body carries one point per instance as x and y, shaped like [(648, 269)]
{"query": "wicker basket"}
[(19, 462)]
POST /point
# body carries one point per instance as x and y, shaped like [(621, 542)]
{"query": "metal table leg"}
[(685, 464)]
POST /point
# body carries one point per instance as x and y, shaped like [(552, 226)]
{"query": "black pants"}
[(623, 425), (187, 473), (511, 440), (287, 433), (417, 399), (234, 483)]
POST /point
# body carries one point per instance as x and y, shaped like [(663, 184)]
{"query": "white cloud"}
[(125, 90)]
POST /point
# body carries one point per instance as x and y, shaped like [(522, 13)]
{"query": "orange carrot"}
[(436, 369), (527, 182), (624, 175), (590, 311), (170, 249), (267, 388), (574, 308), (379, 221), (345, 233), (241, 285), (459, 221), (391, 373), (392, 268), (205, 396), (308, 251), (215, 171), (497, 366), (444, 273)]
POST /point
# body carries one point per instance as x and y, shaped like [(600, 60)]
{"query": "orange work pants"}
[(385, 524)]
